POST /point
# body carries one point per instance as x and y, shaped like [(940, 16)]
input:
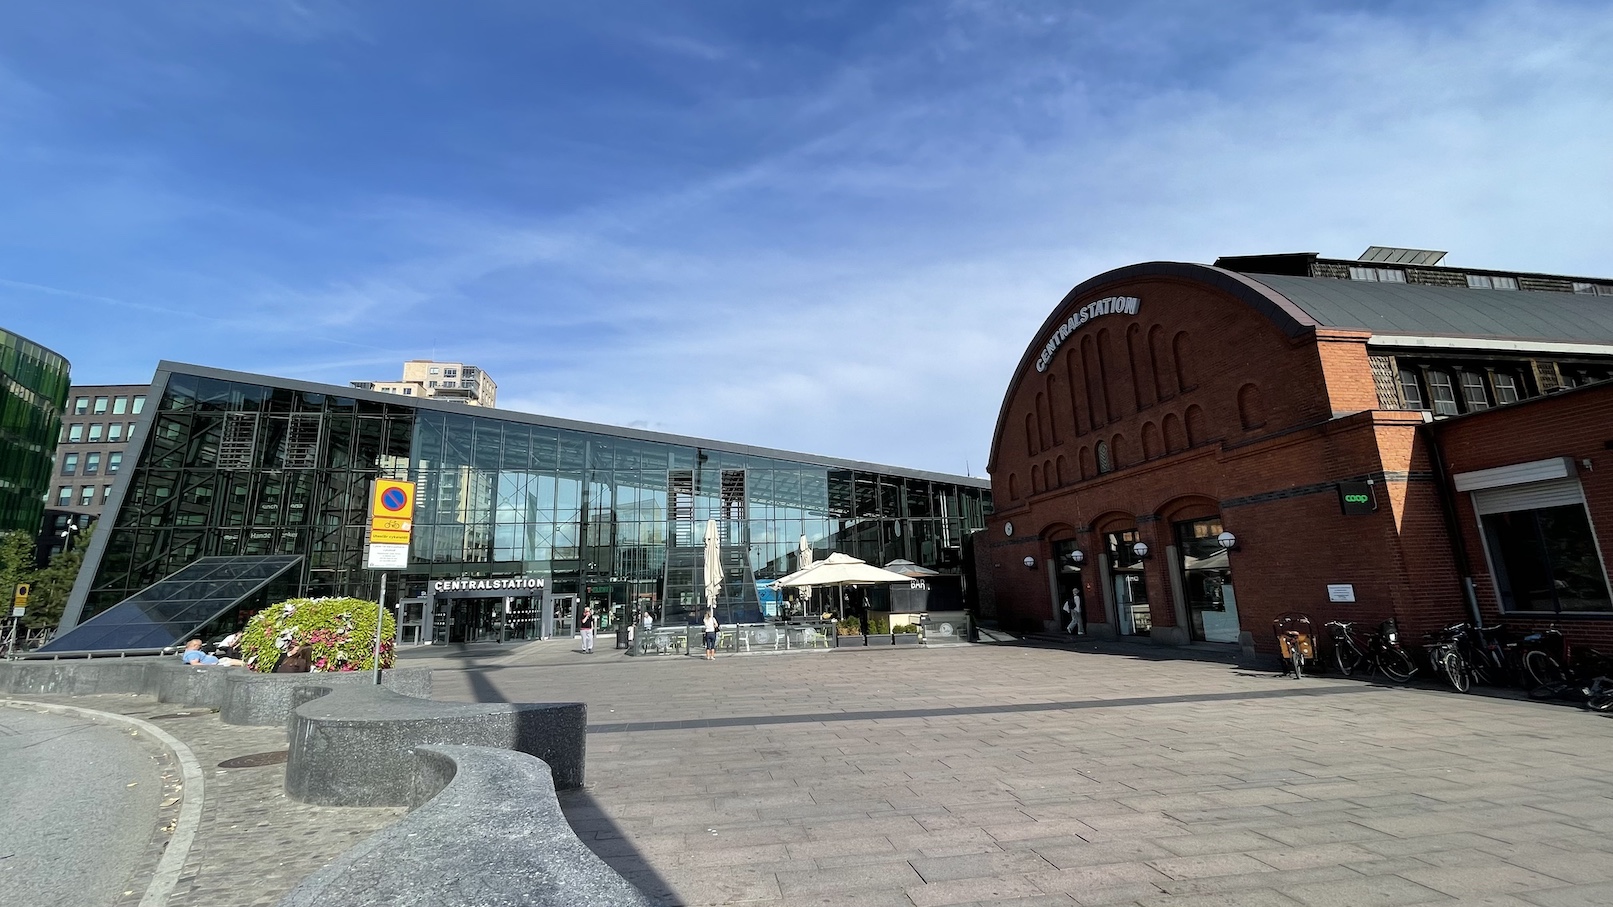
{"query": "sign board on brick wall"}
[(1357, 498), (1340, 592)]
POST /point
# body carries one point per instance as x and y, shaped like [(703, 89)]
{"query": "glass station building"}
[(234, 464)]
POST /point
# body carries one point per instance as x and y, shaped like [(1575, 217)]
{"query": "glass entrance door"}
[(1070, 608), (1130, 586), (1212, 609)]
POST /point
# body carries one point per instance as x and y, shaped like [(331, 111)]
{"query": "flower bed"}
[(340, 634)]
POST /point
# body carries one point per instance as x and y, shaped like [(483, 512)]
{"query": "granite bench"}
[(486, 831), (353, 745), (83, 677), (265, 700)]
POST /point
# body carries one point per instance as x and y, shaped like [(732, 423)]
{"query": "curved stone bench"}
[(354, 745), (488, 833), (265, 700), (197, 686)]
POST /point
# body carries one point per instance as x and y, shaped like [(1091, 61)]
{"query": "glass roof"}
[(175, 607)]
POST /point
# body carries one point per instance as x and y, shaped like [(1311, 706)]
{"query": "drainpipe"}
[(1447, 506)]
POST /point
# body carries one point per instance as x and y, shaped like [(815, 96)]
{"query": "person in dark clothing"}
[(294, 661)]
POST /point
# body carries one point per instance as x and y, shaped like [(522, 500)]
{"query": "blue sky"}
[(831, 227)]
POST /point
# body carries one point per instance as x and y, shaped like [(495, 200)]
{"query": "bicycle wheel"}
[(1299, 664), (1542, 668), (1346, 657), (1601, 700), (1456, 672), (1396, 665)]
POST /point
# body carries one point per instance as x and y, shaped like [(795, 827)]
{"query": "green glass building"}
[(34, 382), (233, 464)]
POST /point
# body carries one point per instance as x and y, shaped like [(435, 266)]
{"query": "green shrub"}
[(340, 633), (878, 626), (906, 628), (851, 626)]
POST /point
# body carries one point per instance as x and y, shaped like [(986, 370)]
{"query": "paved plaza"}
[(991, 775)]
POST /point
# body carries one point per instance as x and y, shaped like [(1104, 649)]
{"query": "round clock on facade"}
[(1008, 528)]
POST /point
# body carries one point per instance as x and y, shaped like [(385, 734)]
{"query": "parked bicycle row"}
[(1541, 661)]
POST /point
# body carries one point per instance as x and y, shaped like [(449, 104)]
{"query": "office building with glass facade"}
[(33, 390), (229, 464)]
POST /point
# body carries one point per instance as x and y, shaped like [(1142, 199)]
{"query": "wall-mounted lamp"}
[(1227, 541), (1077, 557), (1030, 562), (1140, 549)]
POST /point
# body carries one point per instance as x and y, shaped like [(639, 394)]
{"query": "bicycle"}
[(1465, 653), (1354, 650), (1293, 631)]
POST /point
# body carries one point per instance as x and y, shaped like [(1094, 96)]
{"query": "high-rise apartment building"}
[(33, 381), (452, 381)]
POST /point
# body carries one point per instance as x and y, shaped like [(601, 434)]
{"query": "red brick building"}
[(1189, 450)]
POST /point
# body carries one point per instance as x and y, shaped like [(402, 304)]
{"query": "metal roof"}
[(1417, 310)]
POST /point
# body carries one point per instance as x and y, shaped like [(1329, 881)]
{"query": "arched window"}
[(1053, 408), (1041, 422), (1175, 438), (1060, 474), (1092, 368), (1078, 389), (1088, 468), (1251, 407), (1151, 444), (1108, 367), (1117, 452), (1013, 487), (1195, 426), (1036, 479), (1136, 353), (1159, 363), (1104, 465), (1030, 435), (1180, 352)]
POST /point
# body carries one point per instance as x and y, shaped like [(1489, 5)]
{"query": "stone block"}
[(196, 686), (81, 676), (354, 745), (265, 700), (487, 831)]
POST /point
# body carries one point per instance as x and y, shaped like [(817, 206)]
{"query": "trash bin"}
[(624, 635)]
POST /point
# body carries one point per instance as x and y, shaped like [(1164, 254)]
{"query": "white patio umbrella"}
[(909, 569), (841, 570), (713, 565), (806, 555)]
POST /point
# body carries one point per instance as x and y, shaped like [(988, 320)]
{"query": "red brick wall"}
[(1578, 425)]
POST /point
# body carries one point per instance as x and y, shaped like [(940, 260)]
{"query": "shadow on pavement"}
[(600, 834)]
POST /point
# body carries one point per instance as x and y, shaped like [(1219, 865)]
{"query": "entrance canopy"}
[(177, 606)]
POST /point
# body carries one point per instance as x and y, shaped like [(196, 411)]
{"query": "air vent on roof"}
[(1402, 256)]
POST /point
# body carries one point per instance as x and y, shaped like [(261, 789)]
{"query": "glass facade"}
[(616, 518), (33, 394)]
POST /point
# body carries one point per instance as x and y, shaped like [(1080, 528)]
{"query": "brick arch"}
[(1078, 389), (1181, 353), (1113, 521), (1053, 408), (1089, 466), (1041, 421), (1189, 506), (1136, 348), (1036, 478), (1013, 487), (1058, 531), (1196, 433), (1061, 471), (1030, 435), (1152, 446), (1251, 407), (1117, 451), (1159, 364), (1175, 437)]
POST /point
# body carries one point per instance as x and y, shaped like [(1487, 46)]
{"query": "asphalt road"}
[(78, 804)]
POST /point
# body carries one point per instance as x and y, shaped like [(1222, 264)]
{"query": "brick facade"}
[(1214, 401)]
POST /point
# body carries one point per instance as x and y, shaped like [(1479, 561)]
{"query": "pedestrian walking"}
[(587, 627), (1072, 607)]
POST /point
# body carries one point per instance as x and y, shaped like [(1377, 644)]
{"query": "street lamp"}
[(67, 534)]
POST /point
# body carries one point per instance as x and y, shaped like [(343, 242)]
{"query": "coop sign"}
[(496, 584), (1109, 305)]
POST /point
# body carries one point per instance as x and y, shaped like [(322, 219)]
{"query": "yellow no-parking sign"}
[(391, 512)]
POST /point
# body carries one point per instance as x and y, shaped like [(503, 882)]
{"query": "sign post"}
[(19, 607), (391, 523)]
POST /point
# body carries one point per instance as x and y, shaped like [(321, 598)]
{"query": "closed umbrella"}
[(713, 564), (806, 557)]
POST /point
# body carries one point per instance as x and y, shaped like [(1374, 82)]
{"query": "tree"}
[(16, 564), (53, 583)]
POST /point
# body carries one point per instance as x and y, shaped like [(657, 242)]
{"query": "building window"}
[(81, 406), (100, 405), (70, 464), (1473, 392), (1411, 390), (1126, 579), (114, 431), (113, 461), (64, 496), (450, 373), (120, 405), (136, 405), (408, 392), (1506, 388), (1546, 560), (449, 384), (433, 370), (92, 464), (95, 431), (1104, 464), (431, 384), (1442, 393), (131, 431), (75, 432), (106, 492), (86, 496), (1486, 282), (1378, 275)]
